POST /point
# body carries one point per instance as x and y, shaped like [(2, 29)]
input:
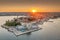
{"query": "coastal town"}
[(21, 25), (26, 24)]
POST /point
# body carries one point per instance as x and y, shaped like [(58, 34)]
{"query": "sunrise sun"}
[(34, 10)]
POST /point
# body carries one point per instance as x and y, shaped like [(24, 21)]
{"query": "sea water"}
[(50, 31)]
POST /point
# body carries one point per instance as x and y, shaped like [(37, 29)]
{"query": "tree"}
[(12, 23)]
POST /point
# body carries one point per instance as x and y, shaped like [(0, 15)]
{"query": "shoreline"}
[(16, 32)]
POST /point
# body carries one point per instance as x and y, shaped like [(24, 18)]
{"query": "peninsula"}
[(21, 25)]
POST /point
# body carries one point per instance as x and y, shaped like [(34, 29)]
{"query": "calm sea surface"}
[(50, 31)]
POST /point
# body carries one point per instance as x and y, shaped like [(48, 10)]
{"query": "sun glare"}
[(34, 10)]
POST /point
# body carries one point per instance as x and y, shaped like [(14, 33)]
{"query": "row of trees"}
[(12, 23)]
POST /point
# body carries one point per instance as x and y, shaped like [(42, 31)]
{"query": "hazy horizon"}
[(28, 5)]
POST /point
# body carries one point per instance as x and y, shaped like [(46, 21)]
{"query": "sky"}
[(29, 5)]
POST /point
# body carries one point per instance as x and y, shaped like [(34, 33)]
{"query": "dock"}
[(17, 33)]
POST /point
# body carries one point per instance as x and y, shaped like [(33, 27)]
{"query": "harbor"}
[(49, 30), (17, 33), (25, 26)]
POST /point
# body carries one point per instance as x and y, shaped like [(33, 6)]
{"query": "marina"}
[(49, 30), (17, 33), (23, 28), (24, 24)]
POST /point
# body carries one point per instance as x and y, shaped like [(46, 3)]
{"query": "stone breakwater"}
[(16, 32)]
